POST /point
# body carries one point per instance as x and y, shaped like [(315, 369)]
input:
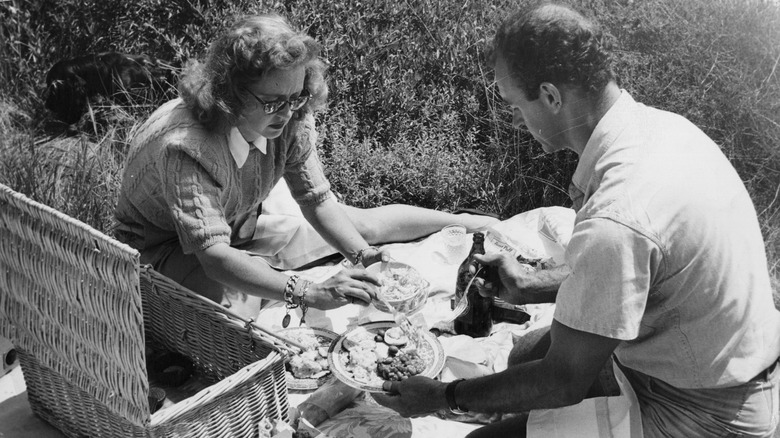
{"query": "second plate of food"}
[(368, 355), (309, 369)]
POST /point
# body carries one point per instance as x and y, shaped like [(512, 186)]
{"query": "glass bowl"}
[(402, 287)]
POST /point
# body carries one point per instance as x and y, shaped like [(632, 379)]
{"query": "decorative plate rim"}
[(303, 384), (431, 371)]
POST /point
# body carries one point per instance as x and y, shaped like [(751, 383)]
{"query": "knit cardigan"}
[(182, 184)]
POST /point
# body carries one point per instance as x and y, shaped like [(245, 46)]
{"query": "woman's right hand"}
[(347, 286)]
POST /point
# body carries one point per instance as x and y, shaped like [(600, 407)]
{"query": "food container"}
[(322, 339), (402, 286), (81, 310)]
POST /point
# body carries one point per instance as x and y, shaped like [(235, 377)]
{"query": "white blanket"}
[(541, 233)]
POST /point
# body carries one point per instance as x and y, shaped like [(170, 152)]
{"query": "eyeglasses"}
[(296, 103)]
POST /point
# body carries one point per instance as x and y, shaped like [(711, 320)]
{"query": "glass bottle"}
[(476, 320)]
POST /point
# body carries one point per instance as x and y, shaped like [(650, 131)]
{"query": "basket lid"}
[(70, 296)]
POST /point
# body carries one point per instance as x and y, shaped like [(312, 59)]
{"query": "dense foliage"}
[(413, 115)]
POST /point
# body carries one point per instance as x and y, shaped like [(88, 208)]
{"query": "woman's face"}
[(274, 86)]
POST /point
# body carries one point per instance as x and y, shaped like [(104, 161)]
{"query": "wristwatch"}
[(449, 392)]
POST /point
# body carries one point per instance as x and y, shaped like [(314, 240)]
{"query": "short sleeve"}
[(303, 171), (192, 196), (607, 290)]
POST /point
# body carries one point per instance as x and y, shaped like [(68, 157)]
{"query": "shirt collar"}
[(239, 147), (607, 129)]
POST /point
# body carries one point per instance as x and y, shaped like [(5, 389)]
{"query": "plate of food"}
[(368, 355), (310, 368)]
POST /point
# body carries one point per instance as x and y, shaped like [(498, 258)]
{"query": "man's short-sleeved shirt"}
[(667, 253), (195, 185)]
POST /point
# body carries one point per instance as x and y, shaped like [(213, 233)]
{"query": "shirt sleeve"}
[(303, 171), (192, 197), (607, 290)]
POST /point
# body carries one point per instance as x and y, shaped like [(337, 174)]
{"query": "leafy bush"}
[(413, 116)]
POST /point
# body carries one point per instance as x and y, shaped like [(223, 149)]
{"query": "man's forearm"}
[(539, 287), (561, 378), (519, 388)]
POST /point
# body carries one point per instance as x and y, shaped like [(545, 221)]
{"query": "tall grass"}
[(413, 115)]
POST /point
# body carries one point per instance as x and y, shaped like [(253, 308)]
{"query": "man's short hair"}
[(553, 43)]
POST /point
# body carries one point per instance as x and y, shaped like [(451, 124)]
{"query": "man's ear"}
[(550, 96)]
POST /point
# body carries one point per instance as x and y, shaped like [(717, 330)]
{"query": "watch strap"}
[(449, 393)]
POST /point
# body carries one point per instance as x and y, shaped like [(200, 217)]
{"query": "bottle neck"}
[(479, 244), (478, 248)]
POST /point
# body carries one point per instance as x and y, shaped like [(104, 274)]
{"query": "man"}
[(668, 269)]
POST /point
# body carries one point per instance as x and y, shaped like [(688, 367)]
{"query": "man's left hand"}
[(413, 397)]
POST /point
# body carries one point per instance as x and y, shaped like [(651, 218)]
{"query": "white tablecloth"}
[(538, 233)]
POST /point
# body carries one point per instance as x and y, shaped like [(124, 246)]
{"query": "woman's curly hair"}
[(252, 46), (553, 43)]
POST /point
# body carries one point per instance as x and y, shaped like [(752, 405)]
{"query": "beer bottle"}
[(476, 320)]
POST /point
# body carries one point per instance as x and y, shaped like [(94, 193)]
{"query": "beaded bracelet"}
[(289, 301), (304, 306), (359, 255)]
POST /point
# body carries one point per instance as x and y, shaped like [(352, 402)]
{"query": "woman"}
[(201, 166)]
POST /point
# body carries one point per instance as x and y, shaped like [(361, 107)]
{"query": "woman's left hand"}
[(373, 255)]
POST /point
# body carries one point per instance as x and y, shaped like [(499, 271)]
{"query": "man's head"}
[(555, 44), (553, 68)]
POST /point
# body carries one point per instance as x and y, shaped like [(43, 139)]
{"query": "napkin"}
[(466, 358), (367, 419)]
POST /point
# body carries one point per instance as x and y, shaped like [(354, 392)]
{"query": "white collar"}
[(607, 129), (239, 147)]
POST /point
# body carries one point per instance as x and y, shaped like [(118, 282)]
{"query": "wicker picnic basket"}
[(80, 310)]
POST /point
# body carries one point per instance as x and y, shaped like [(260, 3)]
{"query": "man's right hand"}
[(518, 283), (507, 279), (348, 286)]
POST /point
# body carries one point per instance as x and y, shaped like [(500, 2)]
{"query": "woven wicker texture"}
[(71, 295), (219, 343), (81, 310)]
